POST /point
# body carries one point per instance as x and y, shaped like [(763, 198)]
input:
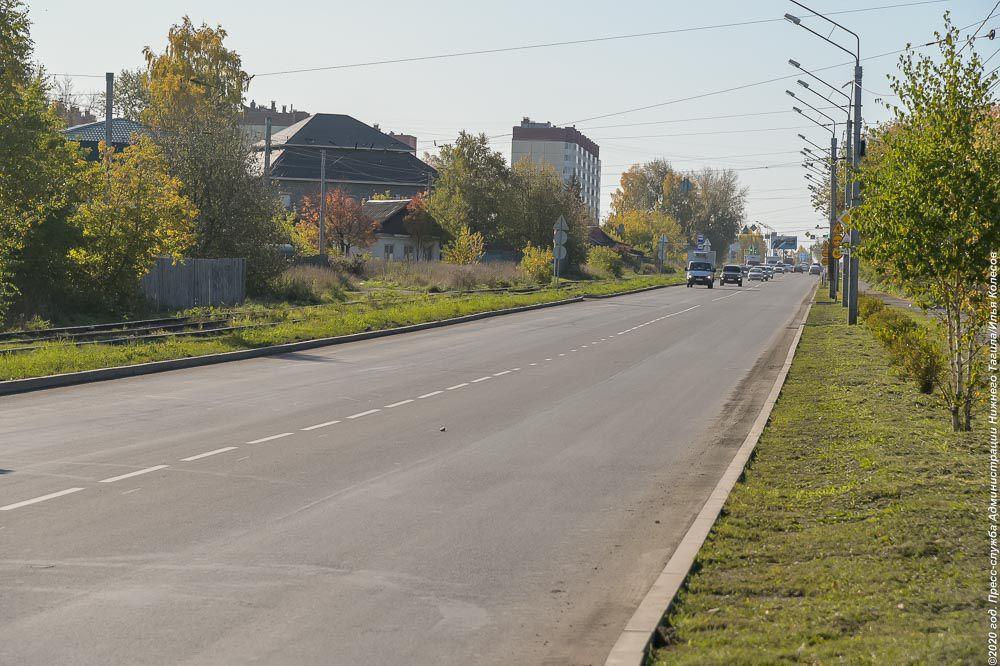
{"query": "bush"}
[(351, 265), (605, 261), (536, 263), (309, 284), (912, 347)]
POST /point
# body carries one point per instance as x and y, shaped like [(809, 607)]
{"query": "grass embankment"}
[(301, 324), (857, 535)]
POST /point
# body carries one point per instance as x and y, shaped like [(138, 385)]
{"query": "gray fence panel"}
[(195, 282)]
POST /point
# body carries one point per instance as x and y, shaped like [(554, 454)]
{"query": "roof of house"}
[(336, 130), (122, 131), (597, 236), (358, 166), (388, 214)]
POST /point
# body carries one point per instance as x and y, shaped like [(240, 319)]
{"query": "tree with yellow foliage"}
[(134, 213)]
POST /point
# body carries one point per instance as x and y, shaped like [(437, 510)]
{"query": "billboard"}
[(784, 242)]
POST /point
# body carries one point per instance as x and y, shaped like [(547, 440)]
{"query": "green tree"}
[(39, 174), (134, 213), (537, 197), (931, 183), (467, 248), (131, 95), (536, 263), (471, 188)]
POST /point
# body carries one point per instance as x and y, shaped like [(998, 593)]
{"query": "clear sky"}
[(489, 93)]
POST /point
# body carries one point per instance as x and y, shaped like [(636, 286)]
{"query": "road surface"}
[(502, 491)]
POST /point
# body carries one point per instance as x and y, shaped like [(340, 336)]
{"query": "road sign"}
[(784, 242), (560, 237), (559, 252), (561, 224)]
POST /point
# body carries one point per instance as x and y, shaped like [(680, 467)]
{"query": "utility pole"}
[(109, 100), (267, 151), (832, 266), (852, 307), (322, 205)]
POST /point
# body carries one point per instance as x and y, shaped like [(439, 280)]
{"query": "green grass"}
[(296, 324), (858, 534)]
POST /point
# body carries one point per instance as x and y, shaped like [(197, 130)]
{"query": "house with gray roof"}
[(89, 135), (360, 160), (392, 239)]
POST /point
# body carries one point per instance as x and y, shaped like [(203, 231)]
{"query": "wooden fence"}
[(195, 282)]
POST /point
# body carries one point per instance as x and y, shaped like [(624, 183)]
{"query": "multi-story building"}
[(574, 156)]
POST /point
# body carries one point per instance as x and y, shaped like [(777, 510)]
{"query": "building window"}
[(407, 252), (387, 250)]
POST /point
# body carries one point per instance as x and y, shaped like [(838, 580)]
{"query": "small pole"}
[(322, 205), (831, 264), (267, 151), (109, 100)]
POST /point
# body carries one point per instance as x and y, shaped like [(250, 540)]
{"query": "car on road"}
[(815, 269), (731, 273), (745, 268), (700, 272), (799, 268), (756, 274), (768, 272), (778, 268)]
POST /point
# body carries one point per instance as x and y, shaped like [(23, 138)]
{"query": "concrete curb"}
[(86, 376), (633, 291), (633, 644)]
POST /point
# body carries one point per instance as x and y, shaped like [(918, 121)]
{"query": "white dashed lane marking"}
[(208, 453), (481, 379), (457, 386), (428, 395), (320, 425), (136, 473), (36, 500), (268, 439), (398, 404), (364, 413)]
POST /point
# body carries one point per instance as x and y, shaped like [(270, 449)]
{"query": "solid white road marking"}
[(320, 425), (364, 413), (501, 373), (514, 369), (428, 395), (481, 379), (397, 404), (208, 453), (268, 439), (18, 505), (136, 473), (457, 386)]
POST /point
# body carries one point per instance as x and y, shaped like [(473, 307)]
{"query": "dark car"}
[(731, 273)]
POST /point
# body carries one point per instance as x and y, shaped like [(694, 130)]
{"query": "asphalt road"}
[(502, 491)]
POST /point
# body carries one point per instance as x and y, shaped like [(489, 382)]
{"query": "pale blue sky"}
[(490, 93)]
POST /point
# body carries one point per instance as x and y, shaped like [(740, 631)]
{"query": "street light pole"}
[(852, 307)]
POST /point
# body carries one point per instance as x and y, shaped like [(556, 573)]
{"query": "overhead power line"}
[(591, 40)]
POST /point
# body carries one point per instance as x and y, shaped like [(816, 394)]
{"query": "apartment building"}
[(568, 150)]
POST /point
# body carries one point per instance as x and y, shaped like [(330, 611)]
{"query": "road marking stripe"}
[(514, 369), (562, 354), (481, 379), (457, 386), (208, 453), (320, 425), (735, 293), (428, 395), (136, 473), (268, 439), (36, 500), (583, 346), (397, 404), (501, 373), (364, 413), (548, 359)]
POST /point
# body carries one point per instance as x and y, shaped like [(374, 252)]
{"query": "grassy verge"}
[(857, 535), (295, 324)]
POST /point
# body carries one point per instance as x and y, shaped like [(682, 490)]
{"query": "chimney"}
[(284, 108), (376, 127), (273, 106)]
